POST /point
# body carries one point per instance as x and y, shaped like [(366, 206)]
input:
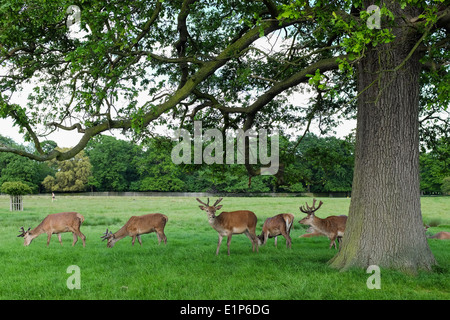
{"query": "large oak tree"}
[(144, 63)]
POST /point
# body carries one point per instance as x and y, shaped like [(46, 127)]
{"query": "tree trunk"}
[(385, 226)]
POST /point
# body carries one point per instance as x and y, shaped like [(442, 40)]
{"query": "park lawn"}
[(187, 267)]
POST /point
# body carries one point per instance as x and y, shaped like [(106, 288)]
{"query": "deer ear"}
[(218, 207), (202, 207)]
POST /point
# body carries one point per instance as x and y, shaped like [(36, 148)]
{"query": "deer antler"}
[(106, 235), (23, 232), (312, 209), (206, 204), (217, 202)]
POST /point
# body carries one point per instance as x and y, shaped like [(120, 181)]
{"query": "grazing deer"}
[(229, 223), (138, 225), (278, 225), (333, 226), (56, 223)]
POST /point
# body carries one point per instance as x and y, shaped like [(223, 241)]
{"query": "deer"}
[(311, 232), (442, 235), (137, 226), (56, 223), (277, 225), (228, 223), (333, 226)]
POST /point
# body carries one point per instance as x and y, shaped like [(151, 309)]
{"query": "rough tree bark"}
[(385, 226)]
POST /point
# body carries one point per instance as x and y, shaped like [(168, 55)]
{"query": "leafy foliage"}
[(71, 175), (446, 185), (112, 163), (15, 188), (435, 166)]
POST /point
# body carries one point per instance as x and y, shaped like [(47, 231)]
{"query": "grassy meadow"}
[(187, 267)]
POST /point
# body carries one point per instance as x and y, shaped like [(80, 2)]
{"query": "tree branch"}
[(301, 76)]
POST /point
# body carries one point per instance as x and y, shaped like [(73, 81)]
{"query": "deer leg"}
[(218, 244), (254, 239), (133, 239), (49, 235), (265, 237), (75, 238), (288, 239), (59, 238), (333, 241), (79, 234), (139, 239), (161, 236), (83, 238), (339, 242), (228, 242)]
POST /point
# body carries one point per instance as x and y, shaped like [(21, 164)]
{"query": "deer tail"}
[(80, 216)]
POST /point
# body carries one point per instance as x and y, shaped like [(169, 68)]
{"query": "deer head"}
[(310, 212), (26, 236), (108, 235), (211, 210)]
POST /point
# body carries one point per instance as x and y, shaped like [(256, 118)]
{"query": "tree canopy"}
[(230, 64), (70, 175), (15, 188)]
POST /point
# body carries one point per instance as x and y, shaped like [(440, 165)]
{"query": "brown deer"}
[(311, 232), (333, 226), (138, 225), (229, 223), (56, 223), (443, 235), (278, 225)]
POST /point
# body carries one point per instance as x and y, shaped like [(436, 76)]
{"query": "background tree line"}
[(318, 164)]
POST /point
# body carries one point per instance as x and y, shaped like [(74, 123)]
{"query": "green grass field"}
[(187, 267)]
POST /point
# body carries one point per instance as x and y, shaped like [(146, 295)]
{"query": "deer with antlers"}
[(138, 225), (278, 225), (228, 223), (333, 226), (56, 223)]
